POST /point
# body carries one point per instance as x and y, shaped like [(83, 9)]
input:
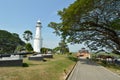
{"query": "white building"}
[(37, 39)]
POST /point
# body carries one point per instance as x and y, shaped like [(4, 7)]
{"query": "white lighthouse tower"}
[(37, 40)]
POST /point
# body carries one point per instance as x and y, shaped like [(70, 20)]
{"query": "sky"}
[(16, 16)]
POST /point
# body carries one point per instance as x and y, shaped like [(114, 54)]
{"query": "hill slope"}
[(9, 41)]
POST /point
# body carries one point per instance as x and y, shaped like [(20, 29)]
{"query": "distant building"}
[(83, 53)]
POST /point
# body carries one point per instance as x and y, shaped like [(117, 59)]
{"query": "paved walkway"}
[(88, 70)]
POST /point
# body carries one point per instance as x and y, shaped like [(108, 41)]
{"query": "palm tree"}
[(27, 35)]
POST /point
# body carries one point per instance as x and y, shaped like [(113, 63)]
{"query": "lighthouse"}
[(37, 39)]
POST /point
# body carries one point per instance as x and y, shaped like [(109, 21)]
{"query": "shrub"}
[(25, 65), (29, 47)]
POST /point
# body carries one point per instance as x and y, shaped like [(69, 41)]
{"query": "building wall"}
[(83, 54)]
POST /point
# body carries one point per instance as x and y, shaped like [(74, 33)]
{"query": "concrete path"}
[(88, 70)]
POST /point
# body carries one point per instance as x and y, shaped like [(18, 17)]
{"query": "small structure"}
[(48, 55), (37, 57), (83, 53), (10, 60)]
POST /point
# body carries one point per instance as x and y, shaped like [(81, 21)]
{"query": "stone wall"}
[(7, 63)]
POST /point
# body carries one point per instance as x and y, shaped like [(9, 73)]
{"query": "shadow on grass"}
[(73, 58)]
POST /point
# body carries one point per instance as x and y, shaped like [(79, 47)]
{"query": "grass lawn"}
[(112, 67), (115, 70), (52, 69)]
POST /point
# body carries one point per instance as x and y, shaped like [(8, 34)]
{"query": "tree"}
[(63, 47), (28, 47), (95, 23), (9, 42), (27, 35), (56, 49), (45, 50), (15, 34), (19, 48)]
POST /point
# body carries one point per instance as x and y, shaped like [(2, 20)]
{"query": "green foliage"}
[(77, 9), (73, 58), (56, 49), (25, 65), (9, 41), (56, 27), (115, 24), (109, 65), (19, 48), (104, 63), (92, 22), (63, 47), (45, 50), (28, 47), (27, 35)]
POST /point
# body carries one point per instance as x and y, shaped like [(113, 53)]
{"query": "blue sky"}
[(16, 16)]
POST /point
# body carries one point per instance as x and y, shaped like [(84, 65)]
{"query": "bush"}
[(25, 65), (29, 47), (70, 53), (73, 58), (104, 62)]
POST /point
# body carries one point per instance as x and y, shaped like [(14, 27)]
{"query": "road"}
[(88, 70)]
